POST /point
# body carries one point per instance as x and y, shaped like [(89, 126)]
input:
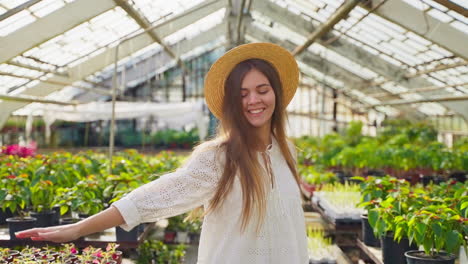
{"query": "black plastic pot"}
[(368, 236), (459, 176), (123, 235), (4, 215), (69, 220), (16, 224), (418, 257), (394, 252), (426, 180), (44, 219), (194, 238), (56, 215)]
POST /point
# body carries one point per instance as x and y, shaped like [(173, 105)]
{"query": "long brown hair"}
[(241, 144)]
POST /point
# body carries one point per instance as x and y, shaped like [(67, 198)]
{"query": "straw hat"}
[(278, 57)]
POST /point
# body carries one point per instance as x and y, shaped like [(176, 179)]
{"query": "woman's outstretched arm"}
[(106, 219)]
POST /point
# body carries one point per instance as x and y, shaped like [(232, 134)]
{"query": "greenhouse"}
[(234, 131)]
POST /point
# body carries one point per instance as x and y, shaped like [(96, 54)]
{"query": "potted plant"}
[(390, 222), (112, 253), (42, 196), (65, 200), (195, 230), (15, 196), (88, 200), (174, 224), (374, 190), (440, 227)]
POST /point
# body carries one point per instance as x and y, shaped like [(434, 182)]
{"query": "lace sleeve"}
[(175, 193)]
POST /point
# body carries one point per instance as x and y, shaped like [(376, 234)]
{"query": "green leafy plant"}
[(441, 223), (312, 176), (151, 250), (42, 196), (15, 194)]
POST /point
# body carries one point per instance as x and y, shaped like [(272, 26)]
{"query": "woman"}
[(245, 178)]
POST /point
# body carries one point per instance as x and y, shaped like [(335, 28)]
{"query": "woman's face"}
[(258, 99)]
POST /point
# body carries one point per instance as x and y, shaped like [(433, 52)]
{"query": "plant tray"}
[(335, 214)]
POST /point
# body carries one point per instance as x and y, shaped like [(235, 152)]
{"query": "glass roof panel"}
[(196, 28), (45, 7), (11, 3), (460, 26), (162, 10), (85, 38), (28, 15), (441, 16), (15, 22)]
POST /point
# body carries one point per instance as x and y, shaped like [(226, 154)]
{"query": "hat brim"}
[(278, 57)]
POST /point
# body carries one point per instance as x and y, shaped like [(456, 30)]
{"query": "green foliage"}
[(42, 196), (178, 223), (157, 251), (313, 176), (15, 194), (174, 138), (353, 134)]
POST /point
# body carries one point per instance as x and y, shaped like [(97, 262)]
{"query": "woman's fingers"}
[(54, 234)]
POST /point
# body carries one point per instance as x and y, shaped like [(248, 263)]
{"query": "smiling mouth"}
[(256, 111)]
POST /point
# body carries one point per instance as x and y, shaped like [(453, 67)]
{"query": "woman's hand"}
[(56, 234)]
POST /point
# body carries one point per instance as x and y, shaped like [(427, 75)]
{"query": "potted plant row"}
[(61, 184), (402, 150)]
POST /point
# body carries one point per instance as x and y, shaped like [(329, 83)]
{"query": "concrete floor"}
[(191, 255)]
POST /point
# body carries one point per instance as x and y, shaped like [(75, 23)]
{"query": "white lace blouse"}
[(282, 238)]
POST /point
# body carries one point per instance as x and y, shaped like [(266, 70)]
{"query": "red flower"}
[(11, 176)]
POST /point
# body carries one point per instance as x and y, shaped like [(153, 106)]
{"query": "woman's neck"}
[(264, 135)]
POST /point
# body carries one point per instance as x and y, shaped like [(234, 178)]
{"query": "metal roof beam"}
[(144, 23), (324, 28), (29, 67), (463, 98), (422, 89), (440, 67), (453, 6), (33, 99)]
